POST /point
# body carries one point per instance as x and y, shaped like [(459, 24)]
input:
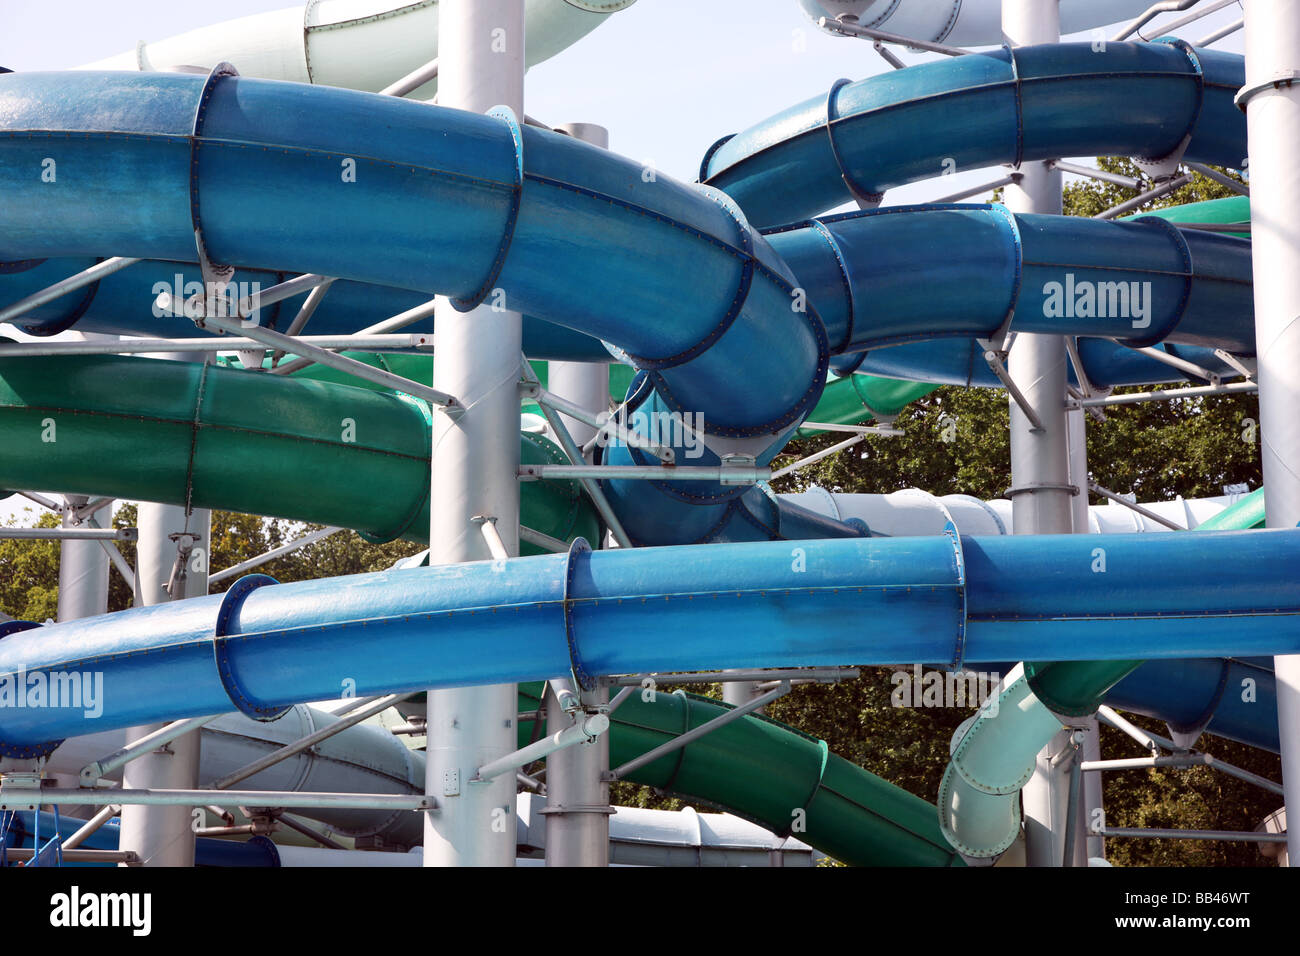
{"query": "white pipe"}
[(966, 22), (355, 44), (475, 468), (1273, 124)]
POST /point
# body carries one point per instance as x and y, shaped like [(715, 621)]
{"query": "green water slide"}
[(772, 775), (212, 437)]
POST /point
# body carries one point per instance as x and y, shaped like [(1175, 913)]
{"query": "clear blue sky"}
[(667, 77)]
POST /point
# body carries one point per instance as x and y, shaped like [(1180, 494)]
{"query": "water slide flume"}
[(354, 44), (206, 436), (946, 599)]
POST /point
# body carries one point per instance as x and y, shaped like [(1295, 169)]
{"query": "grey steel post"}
[(475, 467), (577, 796), (164, 835), (1040, 467), (1272, 103), (83, 565)]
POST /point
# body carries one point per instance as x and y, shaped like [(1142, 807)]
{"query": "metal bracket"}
[(216, 276), (581, 676), (996, 360), (1276, 82), (743, 464), (1040, 486)]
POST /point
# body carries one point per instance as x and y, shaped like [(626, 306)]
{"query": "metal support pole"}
[(1272, 103), (475, 467), (164, 835), (1040, 463), (83, 567)]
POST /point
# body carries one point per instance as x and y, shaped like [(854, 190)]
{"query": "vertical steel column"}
[(1040, 469), (83, 566), (475, 467), (164, 836), (577, 798), (1273, 119)]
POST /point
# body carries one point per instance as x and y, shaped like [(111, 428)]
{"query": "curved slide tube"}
[(1140, 283), (985, 109), (356, 44), (994, 753), (964, 22), (479, 215), (210, 437)]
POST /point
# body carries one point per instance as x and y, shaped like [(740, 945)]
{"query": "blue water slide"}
[(947, 599), (444, 202), (886, 280), (983, 109)]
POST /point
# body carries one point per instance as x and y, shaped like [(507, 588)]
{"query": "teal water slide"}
[(502, 189)]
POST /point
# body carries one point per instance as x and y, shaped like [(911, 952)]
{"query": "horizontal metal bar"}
[(1128, 182), (543, 541), (1223, 227), (1133, 398), (855, 429), (399, 321), (1151, 12), (1173, 361), (976, 190), (820, 674), (1146, 197), (1200, 14), (727, 474), (355, 716), (331, 360), (90, 507), (866, 33), (64, 286), (1125, 726), (588, 727), (1157, 833), (360, 342), (93, 772), (650, 756), (298, 543), (91, 826), (1211, 173), (413, 80), (41, 500), (1220, 33), (818, 456), (129, 857), (70, 534), (14, 798), (1144, 512)]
